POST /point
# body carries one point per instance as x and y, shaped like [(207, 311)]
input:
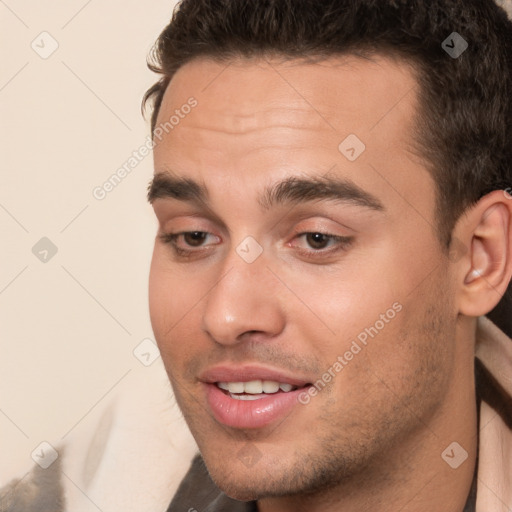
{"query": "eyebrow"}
[(166, 185), (291, 190), (295, 190)]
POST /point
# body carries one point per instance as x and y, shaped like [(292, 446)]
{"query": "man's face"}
[(307, 263)]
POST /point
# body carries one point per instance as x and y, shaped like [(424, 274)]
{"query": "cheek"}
[(336, 308), (367, 298), (172, 301), (411, 358), (374, 322), (160, 300)]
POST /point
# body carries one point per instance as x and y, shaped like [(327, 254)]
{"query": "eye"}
[(194, 238), (188, 242), (321, 244), (318, 240)]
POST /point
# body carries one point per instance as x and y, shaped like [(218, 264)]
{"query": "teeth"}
[(269, 386), (255, 387), (235, 387)]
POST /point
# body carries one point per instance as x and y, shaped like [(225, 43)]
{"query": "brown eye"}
[(319, 246), (195, 238), (318, 240)]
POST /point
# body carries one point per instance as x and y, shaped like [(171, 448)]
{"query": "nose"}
[(245, 300)]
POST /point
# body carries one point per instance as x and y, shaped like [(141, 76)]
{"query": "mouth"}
[(254, 389), (238, 399)]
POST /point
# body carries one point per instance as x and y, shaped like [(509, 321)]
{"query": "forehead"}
[(258, 119), (336, 91)]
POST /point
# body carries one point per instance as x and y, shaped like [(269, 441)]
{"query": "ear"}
[(485, 270)]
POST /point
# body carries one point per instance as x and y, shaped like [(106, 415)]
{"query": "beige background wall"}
[(68, 326)]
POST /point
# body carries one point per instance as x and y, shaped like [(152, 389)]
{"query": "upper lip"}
[(245, 373)]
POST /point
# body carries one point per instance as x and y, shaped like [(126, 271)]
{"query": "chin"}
[(273, 479), (240, 487)]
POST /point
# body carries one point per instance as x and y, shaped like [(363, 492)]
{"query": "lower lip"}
[(250, 413)]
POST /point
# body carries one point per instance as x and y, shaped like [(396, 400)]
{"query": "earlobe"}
[(489, 232)]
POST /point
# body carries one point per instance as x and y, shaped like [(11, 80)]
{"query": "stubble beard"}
[(344, 453)]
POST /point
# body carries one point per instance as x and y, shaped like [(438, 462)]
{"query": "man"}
[(333, 191), (331, 187)]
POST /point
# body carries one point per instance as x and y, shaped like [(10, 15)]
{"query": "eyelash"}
[(342, 243), (170, 239)]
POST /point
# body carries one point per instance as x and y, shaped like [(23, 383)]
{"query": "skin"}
[(373, 438)]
